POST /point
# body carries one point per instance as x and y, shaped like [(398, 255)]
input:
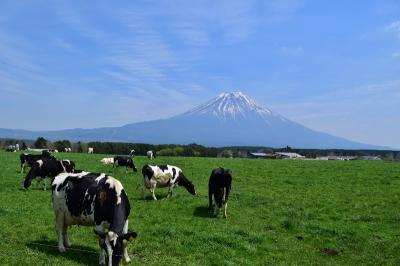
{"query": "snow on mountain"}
[(231, 105)]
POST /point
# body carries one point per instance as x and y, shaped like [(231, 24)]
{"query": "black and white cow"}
[(47, 168), (219, 186), (124, 161), (29, 159), (165, 176), (93, 199)]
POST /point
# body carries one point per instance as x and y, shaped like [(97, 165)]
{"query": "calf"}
[(47, 168), (165, 176), (93, 199), (124, 161), (107, 160), (219, 186), (29, 159)]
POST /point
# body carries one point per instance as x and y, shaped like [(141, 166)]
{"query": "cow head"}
[(132, 165), (183, 181), (33, 172), (114, 245), (68, 165)]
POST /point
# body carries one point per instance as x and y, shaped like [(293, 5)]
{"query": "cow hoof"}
[(127, 260), (61, 249)]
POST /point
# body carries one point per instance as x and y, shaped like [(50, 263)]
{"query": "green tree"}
[(40, 143), (62, 144)]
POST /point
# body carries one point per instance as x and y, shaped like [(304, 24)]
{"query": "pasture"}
[(279, 213)]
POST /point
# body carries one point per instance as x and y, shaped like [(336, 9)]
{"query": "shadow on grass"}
[(201, 211), (80, 254)]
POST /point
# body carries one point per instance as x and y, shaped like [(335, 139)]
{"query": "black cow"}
[(219, 186), (93, 199), (29, 159), (47, 168), (124, 161), (165, 176)]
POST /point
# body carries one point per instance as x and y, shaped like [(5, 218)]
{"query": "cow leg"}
[(210, 201), (22, 168), (59, 230), (126, 256), (216, 209), (66, 241), (225, 208), (44, 184), (102, 255), (170, 188), (152, 190), (143, 188)]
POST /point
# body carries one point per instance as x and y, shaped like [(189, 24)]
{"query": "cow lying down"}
[(92, 199), (165, 176)]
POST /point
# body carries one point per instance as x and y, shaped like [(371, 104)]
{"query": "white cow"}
[(151, 155), (90, 150), (165, 176), (107, 161)]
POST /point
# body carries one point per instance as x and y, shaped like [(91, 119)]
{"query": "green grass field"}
[(280, 213)]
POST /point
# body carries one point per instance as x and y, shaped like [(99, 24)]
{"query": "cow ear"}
[(130, 236), (100, 234)]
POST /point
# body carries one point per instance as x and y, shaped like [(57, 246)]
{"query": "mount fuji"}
[(231, 119)]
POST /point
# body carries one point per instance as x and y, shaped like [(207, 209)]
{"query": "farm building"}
[(290, 155), (371, 158), (262, 155)]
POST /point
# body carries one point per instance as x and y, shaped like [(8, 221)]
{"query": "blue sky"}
[(333, 66)]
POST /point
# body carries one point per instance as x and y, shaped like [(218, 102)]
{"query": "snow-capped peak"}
[(231, 105)]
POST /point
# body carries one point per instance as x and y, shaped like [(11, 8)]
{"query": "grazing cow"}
[(124, 161), (132, 153), (107, 160), (151, 155), (93, 199), (219, 186), (47, 167), (29, 159), (163, 176), (90, 150)]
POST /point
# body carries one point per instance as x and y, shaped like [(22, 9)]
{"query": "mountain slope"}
[(231, 119)]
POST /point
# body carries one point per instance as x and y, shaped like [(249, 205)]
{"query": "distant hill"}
[(231, 119)]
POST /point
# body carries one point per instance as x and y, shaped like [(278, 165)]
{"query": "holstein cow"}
[(90, 150), (165, 176), (219, 186), (151, 155), (124, 161), (47, 168), (132, 153), (93, 199), (29, 159), (107, 160)]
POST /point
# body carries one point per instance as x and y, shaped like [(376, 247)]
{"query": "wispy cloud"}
[(394, 27)]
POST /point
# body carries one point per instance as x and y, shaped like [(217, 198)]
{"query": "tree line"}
[(190, 150)]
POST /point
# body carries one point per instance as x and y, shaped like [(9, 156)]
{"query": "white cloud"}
[(394, 27)]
